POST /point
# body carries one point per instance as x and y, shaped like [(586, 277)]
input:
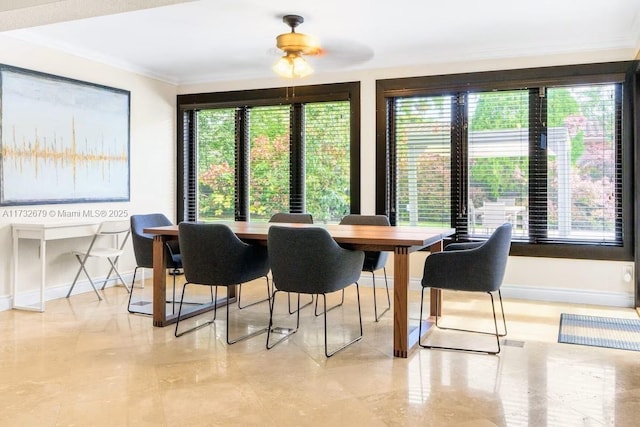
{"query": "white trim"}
[(571, 296), (6, 303), (60, 291)]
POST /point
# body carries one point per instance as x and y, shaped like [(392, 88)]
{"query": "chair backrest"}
[(213, 255), (114, 227), (354, 219), (308, 260), (478, 269), (143, 242), (107, 231), (372, 260), (495, 253), (493, 214), (299, 218)]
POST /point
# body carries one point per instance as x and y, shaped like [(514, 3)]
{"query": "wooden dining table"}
[(401, 240)]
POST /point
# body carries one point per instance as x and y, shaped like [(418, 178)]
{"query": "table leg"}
[(159, 281), (404, 338), (401, 302)]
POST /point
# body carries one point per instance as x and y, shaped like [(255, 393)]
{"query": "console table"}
[(43, 233)]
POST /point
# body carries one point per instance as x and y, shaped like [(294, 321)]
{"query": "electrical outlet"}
[(627, 273)]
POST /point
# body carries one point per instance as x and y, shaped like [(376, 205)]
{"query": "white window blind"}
[(584, 173), (498, 150)]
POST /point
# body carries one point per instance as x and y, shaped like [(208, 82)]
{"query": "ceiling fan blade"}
[(337, 53)]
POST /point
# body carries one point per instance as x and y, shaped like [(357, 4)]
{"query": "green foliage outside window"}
[(327, 168), (216, 164)]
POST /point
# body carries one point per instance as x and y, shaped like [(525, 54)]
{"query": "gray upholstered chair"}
[(295, 218), (212, 255), (298, 218), (143, 252), (308, 261), (471, 267), (373, 260)]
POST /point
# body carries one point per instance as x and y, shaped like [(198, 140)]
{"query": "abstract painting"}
[(63, 140)]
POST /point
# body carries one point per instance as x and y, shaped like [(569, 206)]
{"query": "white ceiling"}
[(186, 42)]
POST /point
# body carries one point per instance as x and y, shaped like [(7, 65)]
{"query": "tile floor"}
[(90, 363)]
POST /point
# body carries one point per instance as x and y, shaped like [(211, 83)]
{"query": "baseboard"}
[(56, 292), (5, 302), (573, 296)]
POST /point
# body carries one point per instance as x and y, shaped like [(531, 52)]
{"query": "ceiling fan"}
[(297, 46)]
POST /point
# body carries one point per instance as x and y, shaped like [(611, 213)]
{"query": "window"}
[(498, 159), (216, 163), (268, 161), (249, 154), (543, 149), (423, 160), (584, 125), (327, 147)]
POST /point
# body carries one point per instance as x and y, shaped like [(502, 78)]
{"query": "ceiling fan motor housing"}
[(296, 42)]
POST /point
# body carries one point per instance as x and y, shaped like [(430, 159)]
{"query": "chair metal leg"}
[(358, 338), (82, 261), (268, 298), (184, 287), (271, 329), (250, 335), (214, 298), (173, 301), (113, 267), (315, 311), (229, 340), (375, 304), (289, 303), (133, 281), (497, 334)]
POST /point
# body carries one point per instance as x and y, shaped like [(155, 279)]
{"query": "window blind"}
[(216, 164), (269, 148), (584, 184), (422, 170), (548, 149), (498, 149), (327, 140), (281, 143)]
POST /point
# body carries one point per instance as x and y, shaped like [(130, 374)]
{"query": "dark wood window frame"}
[(188, 104), (624, 72)]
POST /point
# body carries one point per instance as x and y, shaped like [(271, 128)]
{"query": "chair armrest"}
[(463, 246), (462, 270)]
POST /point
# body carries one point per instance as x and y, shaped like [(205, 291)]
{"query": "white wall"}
[(153, 166), (152, 160)]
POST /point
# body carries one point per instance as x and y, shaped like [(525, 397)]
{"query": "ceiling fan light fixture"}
[(292, 65)]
